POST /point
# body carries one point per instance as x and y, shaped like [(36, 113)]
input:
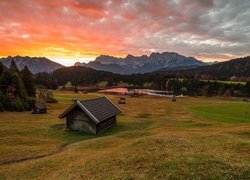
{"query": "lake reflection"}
[(138, 91)]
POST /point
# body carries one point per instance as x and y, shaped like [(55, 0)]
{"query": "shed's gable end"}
[(98, 109)]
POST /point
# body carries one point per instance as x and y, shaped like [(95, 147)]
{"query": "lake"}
[(150, 92)]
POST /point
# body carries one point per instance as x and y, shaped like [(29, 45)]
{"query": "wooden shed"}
[(91, 116), (39, 108)]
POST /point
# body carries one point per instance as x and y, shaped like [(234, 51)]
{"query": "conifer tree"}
[(28, 81), (1, 68), (13, 93), (5, 80), (247, 87), (13, 67)]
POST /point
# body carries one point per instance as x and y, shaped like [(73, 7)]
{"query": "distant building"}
[(39, 108), (122, 100), (91, 116)]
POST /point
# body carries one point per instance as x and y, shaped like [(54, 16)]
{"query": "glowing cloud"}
[(71, 30)]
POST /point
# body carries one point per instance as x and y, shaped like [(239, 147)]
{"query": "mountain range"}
[(35, 64), (166, 64), (128, 65), (235, 69), (142, 64)]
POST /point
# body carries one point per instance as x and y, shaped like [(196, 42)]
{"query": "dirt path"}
[(58, 150)]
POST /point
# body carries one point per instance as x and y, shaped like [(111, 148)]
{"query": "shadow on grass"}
[(193, 124), (143, 115), (121, 129), (58, 131)]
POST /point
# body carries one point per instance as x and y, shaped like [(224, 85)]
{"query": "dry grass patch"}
[(155, 138)]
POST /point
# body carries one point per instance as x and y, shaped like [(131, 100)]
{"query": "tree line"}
[(83, 76), (17, 87), (17, 90), (194, 87)]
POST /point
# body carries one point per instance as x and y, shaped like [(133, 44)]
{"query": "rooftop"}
[(98, 109)]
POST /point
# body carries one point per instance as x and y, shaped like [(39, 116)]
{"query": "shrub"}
[(18, 105)]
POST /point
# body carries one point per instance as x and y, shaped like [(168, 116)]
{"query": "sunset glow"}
[(67, 31)]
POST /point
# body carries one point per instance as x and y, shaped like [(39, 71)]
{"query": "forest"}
[(83, 76), (17, 87)]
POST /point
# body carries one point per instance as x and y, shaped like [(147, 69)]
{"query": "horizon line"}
[(70, 61)]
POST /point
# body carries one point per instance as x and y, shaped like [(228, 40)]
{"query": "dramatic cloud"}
[(70, 30)]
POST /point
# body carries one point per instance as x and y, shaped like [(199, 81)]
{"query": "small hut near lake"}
[(91, 116)]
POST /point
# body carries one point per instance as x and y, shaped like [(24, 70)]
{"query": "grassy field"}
[(102, 84), (227, 82), (155, 138)]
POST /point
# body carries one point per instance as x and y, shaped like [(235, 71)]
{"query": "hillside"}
[(142, 64), (35, 64), (236, 69), (193, 138), (79, 75), (114, 68), (227, 70)]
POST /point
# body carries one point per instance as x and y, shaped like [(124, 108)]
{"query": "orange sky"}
[(67, 31)]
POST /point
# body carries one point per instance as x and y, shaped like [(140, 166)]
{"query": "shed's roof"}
[(41, 105), (98, 109)]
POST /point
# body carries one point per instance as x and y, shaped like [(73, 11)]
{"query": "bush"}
[(13, 95), (18, 105), (1, 107), (31, 103), (5, 102), (50, 97), (51, 100)]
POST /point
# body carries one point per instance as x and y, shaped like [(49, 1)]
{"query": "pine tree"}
[(5, 103), (1, 68), (2, 98), (16, 99), (5, 80), (13, 67), (21, 91), (28, 81), (247, 87)]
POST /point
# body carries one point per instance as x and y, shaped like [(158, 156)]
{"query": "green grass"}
[(155, 138), (227, 112), (227, 82), (102, 84), (123, 84), (66, 96), (147, 84)]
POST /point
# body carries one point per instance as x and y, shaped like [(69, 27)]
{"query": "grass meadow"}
[(155, 138)]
